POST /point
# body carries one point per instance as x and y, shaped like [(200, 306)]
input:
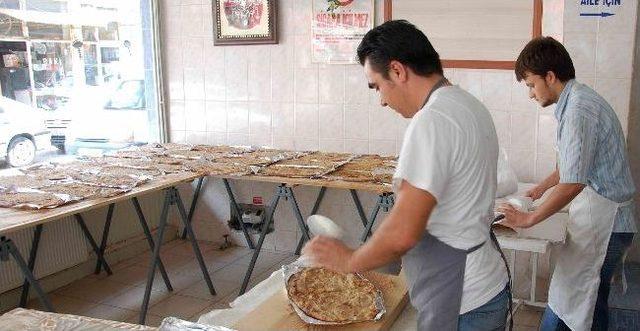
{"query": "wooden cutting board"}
[(277, 314)]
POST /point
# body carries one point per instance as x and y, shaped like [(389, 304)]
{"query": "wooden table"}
[(17, 219), (13, 220)]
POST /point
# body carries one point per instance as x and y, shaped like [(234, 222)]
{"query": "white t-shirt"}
[(450, 149)]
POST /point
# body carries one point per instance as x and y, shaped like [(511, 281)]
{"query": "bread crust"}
[(331, 296)]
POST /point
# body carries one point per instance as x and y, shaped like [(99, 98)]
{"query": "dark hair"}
[(401, 41), (544, 54)]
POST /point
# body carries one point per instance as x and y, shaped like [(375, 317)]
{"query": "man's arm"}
[(549, 182), (560, 197), (400, 231)]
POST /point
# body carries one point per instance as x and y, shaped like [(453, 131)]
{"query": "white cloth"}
[(574, 284), (450, 150)]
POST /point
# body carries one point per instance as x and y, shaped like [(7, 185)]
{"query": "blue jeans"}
[(490, 316), (618, 244), (551, 322)]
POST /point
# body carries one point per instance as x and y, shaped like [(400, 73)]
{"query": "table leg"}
[(372, 219), (534, 276), (155, 257), (147, 234), (265, 228), (314, 211), (236, 210), (192, 207), (32, 262), (296, 211), (105, 235), (356, 201), (92, 242), (7, 248), (192, 238)]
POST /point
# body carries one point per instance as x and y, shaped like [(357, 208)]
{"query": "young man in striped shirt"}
[(593, 173)]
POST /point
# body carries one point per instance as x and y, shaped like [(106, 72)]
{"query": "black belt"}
[(506, 264)]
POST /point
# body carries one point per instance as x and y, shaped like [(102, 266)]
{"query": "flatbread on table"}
[(29, 200), (23, 181), (331, 296), (312, 165), (115, 181)]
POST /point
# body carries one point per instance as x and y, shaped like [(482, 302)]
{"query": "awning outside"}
[(85, 18)]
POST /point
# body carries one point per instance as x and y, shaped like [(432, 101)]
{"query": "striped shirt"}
[(592, 149)]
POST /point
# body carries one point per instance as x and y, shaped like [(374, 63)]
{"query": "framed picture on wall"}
[(245, 22)]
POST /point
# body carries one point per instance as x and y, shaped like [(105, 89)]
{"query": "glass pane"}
[(90, 65), (109, 33), (49, 31), (10, 26), (14, 72), (110, 60), (53, 73), (53, 6), (10, 4), (89, 33)]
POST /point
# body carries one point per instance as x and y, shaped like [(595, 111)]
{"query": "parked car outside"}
[(119, 121), (22, 132)]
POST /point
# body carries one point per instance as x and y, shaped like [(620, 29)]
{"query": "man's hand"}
[(536, 192), (330, 253), (549, 182), (514, 218)]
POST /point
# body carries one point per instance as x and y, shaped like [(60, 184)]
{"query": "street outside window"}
[(81, 68)]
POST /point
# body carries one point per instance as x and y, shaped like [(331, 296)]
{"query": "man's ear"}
[(550, 78), (397, 71)]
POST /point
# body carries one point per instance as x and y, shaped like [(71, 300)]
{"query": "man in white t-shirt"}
[(445, 183)]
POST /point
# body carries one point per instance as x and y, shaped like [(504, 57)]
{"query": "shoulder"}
[(435, 118), (586, 100)]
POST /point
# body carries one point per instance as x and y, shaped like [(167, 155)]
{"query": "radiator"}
[(62, 245)]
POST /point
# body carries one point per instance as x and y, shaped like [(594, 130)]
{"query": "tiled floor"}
[(119, 296)]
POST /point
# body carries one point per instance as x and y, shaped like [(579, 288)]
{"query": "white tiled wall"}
[(273, 95), (602, 50)]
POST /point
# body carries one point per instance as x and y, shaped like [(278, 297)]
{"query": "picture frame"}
[(245, 22)]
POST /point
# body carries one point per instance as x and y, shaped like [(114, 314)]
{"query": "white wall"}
[(273, 95)]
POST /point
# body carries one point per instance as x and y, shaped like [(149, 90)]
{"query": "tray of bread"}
[(327, 297)]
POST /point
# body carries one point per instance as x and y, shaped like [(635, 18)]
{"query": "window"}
[(90, 69)]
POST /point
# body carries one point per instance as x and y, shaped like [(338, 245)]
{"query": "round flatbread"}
[(331, 296)]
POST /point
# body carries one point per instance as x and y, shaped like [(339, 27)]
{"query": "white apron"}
[(574, 285)]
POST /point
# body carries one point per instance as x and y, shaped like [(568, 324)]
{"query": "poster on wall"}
[(338, 27)]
